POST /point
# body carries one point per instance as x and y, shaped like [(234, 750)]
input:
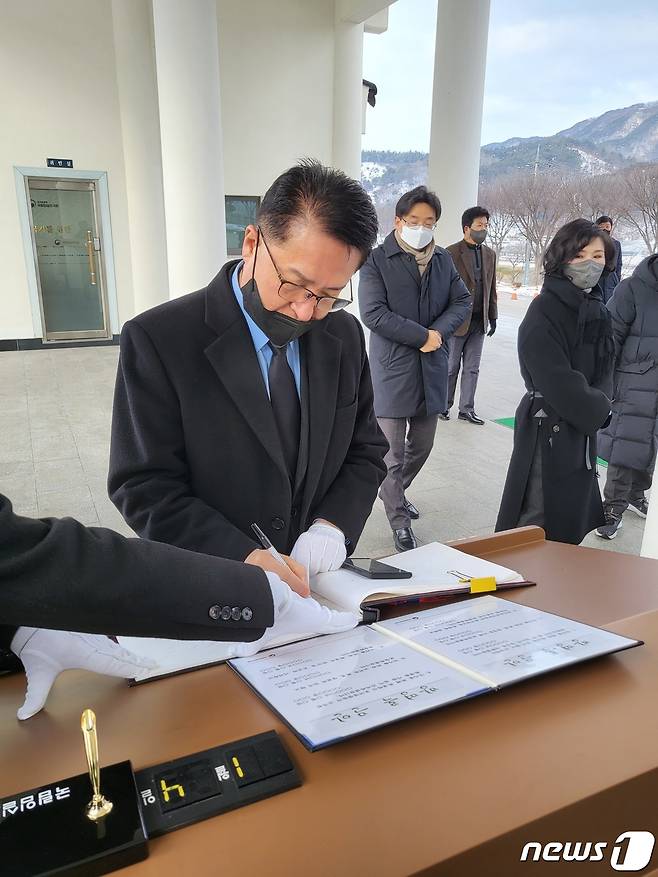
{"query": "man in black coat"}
[(612, 272), (250, 401), (412, 299), (58, 576), (629, 442)]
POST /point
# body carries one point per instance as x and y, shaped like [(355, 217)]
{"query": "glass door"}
[(68, 254)]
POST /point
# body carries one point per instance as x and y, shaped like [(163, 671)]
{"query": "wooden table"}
[(570, 756)]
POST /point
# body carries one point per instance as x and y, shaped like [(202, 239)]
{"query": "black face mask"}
[(279, 328)]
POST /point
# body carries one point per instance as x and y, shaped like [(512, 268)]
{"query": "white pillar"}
[(650, 537), (187, 65), (140, 130), (462, 29), (348, 96)]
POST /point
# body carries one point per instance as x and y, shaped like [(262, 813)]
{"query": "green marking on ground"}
[(506, 421), (509, 423)]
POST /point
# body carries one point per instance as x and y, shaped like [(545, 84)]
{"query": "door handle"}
[(91, 256)]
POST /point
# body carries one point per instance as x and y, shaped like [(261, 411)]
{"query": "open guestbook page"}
[(433, 569), (437, 570), (331, 688)]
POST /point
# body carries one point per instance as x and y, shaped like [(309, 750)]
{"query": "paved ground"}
[(55, 408)]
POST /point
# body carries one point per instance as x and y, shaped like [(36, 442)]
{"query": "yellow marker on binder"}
[(482, 585)]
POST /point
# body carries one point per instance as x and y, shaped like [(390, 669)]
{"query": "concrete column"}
[(187, 66), (348, 96), (650, 537), (462, 30), (140, 131)]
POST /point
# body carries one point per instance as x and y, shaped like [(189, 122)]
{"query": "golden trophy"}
[(98, 807)]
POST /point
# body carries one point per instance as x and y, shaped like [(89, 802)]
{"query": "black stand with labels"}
[(45, 831)]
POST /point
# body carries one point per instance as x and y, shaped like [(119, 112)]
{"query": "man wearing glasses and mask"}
[(412, 299), (250, 401)]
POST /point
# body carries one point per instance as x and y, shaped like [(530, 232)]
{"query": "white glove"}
[(320, 549), (297, 617), (46, 653)]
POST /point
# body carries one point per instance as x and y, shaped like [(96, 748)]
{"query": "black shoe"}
[(611, 527), (471, 417), (411, 510), (404, 539), (641, 507), (445, 415)]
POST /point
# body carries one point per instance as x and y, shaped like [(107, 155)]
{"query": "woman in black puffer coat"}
[(629, 442), (566, 354)]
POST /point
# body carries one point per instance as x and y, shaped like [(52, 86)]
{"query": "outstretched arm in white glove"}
[(297, 617), (46, 653), (321, 548)]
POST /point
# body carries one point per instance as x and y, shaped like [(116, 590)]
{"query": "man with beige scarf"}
[(412, 299)]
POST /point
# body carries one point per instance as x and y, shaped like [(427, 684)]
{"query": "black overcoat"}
[(632, 436), (195, 455), (611, 277), (59, 574), (398, 308), (554, 364)]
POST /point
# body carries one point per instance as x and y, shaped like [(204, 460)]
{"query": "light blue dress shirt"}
[(261, 341)]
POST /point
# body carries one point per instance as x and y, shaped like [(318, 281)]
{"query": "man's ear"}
[(249, 242)]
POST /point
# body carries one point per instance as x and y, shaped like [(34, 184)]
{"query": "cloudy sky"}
[(550, 64)]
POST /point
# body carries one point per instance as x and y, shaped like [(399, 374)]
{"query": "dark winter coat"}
[(570, 365), (631, 438), (59, 574), (399, 307), (196, 457), (611, 278)]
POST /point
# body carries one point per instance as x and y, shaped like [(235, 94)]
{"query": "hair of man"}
[(469, 216), (419, 195), (311, 192)]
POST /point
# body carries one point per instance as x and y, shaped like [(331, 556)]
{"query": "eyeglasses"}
[(293, 292), (429, 226)]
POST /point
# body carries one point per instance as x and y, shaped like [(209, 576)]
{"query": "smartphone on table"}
[(374, 569)]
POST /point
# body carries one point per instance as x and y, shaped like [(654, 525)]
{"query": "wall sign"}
[(59, 162)]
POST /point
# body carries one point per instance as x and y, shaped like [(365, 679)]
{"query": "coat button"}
[(214, 612), (226, 613), (278, 523), (236, 613), (556, 429), (294, 511), (247, 614)]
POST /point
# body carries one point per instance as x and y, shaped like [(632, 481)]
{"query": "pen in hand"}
[(267, 545)]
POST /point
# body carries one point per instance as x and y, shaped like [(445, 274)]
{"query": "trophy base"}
[(51, 833)]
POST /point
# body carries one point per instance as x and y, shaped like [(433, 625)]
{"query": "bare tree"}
[(591, 196), (515, 259), (637, 190), (501, 221), (537, 205)]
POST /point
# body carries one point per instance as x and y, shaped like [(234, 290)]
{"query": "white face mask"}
[(418, 238)]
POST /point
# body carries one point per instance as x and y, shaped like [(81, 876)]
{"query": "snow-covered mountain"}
[(631, 131), (613, 140)]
